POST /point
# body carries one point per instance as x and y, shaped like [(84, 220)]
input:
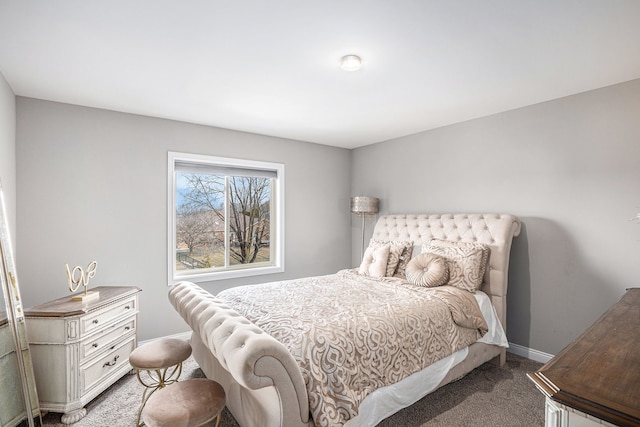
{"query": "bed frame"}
[(263, 383)]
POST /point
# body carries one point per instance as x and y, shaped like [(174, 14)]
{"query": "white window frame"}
[(277, 218)]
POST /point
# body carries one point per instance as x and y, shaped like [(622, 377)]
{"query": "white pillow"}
[(374, 261), (427, 270)]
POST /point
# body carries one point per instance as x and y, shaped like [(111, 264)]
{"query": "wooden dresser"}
[(80, 348), (595, 380)]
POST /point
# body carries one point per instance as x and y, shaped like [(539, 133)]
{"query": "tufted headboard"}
[(495, 230)]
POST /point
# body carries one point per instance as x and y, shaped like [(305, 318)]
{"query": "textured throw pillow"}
[(374, 261), (405, 257), (466, 261), (396, 251), (428, 270)]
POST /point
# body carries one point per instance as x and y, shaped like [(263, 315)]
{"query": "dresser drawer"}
[(102, 367), (95, 321), (106, 338)]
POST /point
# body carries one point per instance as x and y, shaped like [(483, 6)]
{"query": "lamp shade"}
[(364, 205)]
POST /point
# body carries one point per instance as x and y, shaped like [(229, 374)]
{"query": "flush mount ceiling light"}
[(351, 62)]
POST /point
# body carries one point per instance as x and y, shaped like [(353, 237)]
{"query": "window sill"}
[(227, 274)]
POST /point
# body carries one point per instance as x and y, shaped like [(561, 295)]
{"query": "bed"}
[(267, 377)]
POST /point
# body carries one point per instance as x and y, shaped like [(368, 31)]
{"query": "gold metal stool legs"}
[(217, 418), (155, 380)]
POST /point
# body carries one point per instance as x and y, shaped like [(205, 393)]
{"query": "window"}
[(225, 217)]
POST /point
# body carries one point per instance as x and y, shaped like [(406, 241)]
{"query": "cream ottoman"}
[(188, 403)]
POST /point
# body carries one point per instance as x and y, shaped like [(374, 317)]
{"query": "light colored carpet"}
[(488, 396)]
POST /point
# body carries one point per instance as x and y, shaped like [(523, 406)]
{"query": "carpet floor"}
[(489, 396)]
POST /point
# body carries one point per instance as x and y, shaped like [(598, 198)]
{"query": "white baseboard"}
[(529, 353)]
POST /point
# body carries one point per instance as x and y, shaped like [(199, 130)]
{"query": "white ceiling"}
[(272, 67)]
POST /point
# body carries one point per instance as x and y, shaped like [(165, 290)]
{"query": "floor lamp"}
[(363, 206)]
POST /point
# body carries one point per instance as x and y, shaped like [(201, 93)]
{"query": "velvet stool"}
[(188, 403), (157, 364)]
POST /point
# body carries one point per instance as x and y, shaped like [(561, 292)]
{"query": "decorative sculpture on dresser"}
[(82, 279)]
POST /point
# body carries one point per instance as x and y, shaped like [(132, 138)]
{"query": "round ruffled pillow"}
[(427, 270)]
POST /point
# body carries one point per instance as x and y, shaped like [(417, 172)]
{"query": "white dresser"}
[(79, 349), (559, 415)]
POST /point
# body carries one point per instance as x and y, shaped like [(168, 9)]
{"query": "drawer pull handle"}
[(94, 345), (95, 321), (126, 328), (113, 362), (126, 307)]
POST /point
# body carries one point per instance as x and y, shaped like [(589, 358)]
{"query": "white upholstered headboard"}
[(495, 230)]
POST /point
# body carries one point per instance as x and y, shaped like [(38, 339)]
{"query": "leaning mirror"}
[(18, 397)]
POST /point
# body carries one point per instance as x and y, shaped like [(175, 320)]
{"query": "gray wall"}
[(8, 153), (569, 168), (92, 185)]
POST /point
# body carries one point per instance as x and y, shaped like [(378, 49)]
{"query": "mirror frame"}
[(16, 320)]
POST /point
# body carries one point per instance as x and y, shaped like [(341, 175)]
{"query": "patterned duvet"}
[(352, 334)]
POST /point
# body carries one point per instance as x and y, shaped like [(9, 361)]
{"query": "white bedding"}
[(386, 401)]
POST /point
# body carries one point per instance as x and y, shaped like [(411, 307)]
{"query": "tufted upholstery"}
[(254, 360), (495, 230)]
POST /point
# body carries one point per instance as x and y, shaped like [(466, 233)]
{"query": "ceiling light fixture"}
[(351, 62)]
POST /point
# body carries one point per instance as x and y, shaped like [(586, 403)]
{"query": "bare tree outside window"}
[(193, 230), (201, 220), (249, 210)]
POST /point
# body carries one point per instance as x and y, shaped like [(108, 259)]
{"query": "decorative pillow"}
[(466, 261), (374, 261), (396, 251), (405, 257), (428, 270)]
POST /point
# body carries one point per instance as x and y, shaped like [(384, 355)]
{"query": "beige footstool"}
[(187, 403), (157, 364)]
